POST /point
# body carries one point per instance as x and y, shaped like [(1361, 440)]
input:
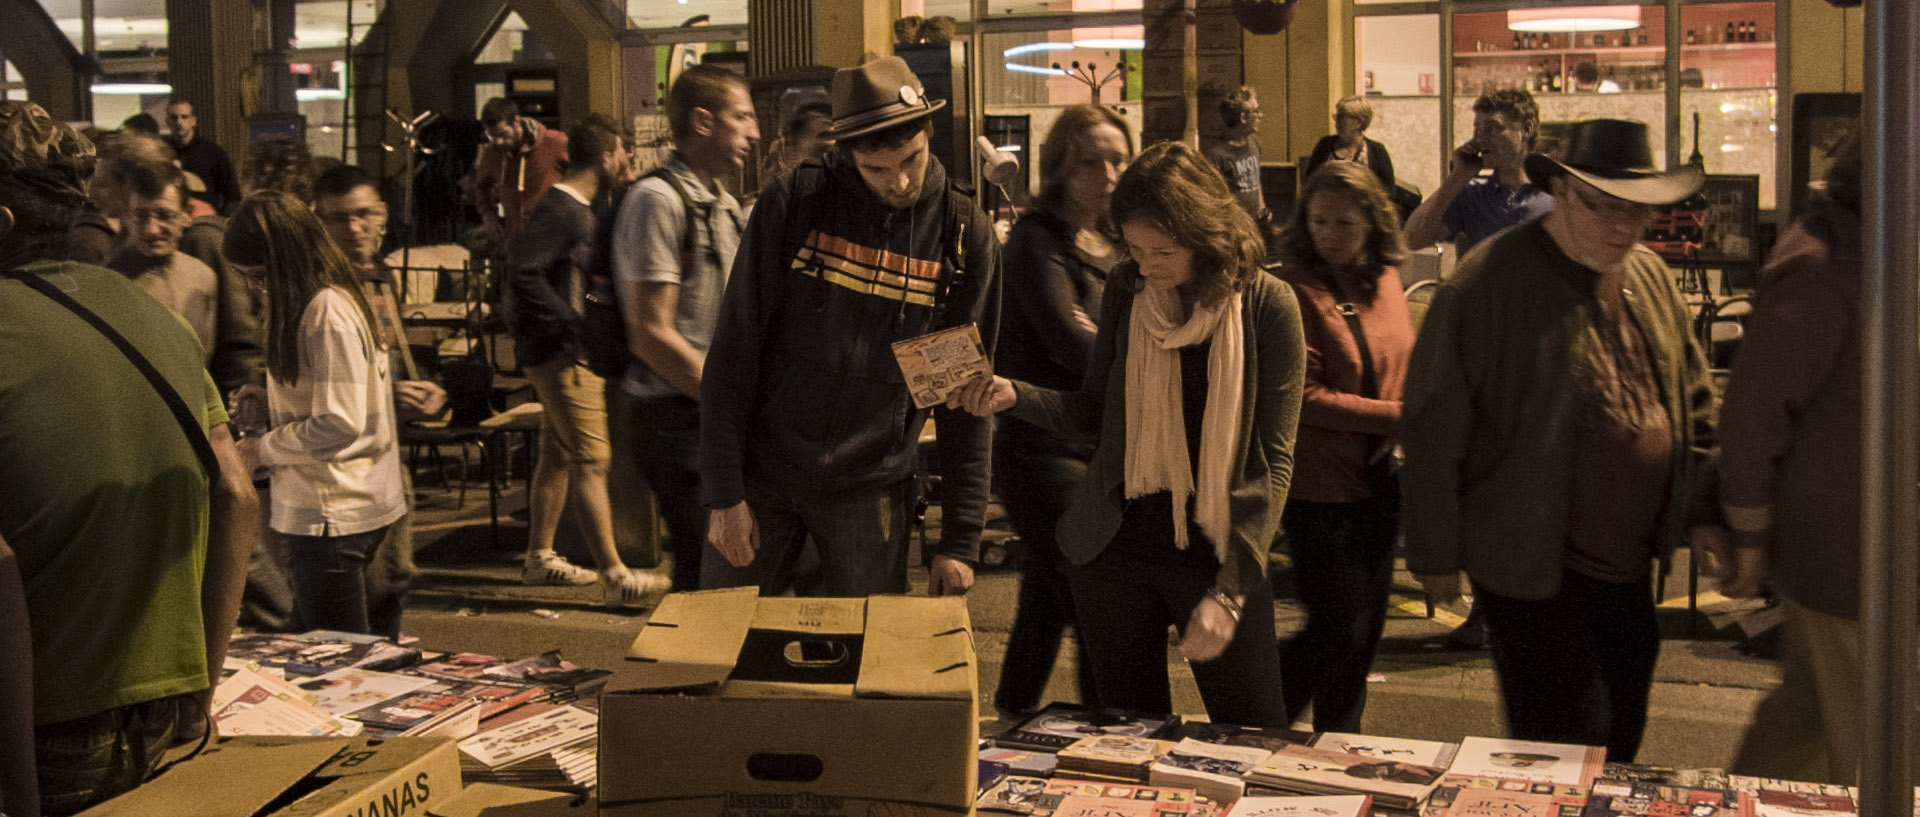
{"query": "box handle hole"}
[(778, 767), (816, 654)]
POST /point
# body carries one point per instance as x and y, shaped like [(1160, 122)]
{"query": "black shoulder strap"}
[(686, 202), (189, 422), (1369, 384)]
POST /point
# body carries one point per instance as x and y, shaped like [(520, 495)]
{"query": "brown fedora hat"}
[(1613, 155), (877, 96)]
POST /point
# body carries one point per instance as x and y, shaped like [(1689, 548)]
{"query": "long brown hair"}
[(1067, 140), (1172, 187), (1385, 247), (279, 233)]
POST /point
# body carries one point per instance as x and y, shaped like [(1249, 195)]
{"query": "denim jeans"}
[(666, 431), (330, 583), (89, 760), (861, 542)]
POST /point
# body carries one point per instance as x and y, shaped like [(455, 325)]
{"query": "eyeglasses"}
[(1613, 209)]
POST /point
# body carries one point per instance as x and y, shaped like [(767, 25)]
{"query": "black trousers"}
[(1035, 475), (1128, 595), (1577, 667), (667, 435), (1343, 569)]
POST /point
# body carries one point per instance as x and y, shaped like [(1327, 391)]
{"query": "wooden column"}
[(210, 45)]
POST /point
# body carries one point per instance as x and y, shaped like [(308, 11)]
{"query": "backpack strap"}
[(189, 422)]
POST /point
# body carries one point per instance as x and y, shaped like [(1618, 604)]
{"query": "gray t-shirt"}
[(647, 240)]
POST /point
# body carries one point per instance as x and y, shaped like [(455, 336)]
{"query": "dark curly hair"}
[(1173, 188), (280, 163), (1386, 246), (1517, 104)]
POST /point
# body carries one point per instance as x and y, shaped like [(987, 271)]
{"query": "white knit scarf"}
[(1157, 458)]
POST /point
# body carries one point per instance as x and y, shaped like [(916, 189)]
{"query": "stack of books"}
[(1086, 798), (1112, 758), (1058, 725), (1215, 770), (1392, 784)]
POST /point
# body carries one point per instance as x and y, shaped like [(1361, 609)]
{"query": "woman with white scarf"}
[(1193, 391)]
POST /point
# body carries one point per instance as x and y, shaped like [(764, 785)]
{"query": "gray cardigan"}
[(1276, 360)]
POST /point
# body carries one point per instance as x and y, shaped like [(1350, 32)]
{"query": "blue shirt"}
[(1487, 207)]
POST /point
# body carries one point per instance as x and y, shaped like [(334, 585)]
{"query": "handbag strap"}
[(189, 422), (1369, 384)]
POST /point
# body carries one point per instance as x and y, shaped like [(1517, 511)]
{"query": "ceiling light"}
[(1029, 48), (1116, 37), (1575, 18), (311, 94), (132, 88)]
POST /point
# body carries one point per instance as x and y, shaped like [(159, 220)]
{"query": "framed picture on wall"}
[(1718, 226)]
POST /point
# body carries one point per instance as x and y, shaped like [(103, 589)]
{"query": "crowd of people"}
[(1173, 397)]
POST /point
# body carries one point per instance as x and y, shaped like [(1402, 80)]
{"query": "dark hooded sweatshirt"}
[(801, 395)]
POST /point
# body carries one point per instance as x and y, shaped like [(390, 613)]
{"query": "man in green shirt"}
[(128, 553)]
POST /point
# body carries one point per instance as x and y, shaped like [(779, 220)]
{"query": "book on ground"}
[(1211, 769), (1532, 761), (1424, 752), (523, 739), (1326, 805), (1270, 739), (1486, 797), (1114, 757), (1058, 725), (1629, 798), (343, 691), (1302, 769)]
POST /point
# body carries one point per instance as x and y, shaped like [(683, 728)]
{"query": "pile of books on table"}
[(529, 722), (1065, 761)]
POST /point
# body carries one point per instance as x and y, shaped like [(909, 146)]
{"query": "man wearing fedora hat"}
[(1556, 411), (807, 430)]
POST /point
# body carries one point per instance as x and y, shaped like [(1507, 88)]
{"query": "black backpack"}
[(603, 327)]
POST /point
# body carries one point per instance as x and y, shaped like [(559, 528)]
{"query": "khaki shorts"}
[(573, 403)]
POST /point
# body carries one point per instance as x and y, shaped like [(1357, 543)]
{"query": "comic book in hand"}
[(1210, 769), (1057, 725), (1424, 752), (937, 364), (1629, 798), (1461, 796), (1325, 805), (1302, 769), (1226, 734), (549, 670), (1112, 757), (1564, 764)]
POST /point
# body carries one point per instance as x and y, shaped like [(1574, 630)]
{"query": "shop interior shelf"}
[(1631, 50)]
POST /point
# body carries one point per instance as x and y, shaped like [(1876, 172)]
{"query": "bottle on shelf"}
[(1690, 40), (1730, 33), (1516, 41)]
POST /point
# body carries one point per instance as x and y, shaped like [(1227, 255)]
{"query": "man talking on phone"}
[(807, 429), (1469, 207)]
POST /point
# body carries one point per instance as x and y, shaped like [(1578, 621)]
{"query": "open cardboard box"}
[(494, 800), (734, 704), (299, 777)]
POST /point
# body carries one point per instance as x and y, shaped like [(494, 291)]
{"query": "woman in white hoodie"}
[(330, 442)]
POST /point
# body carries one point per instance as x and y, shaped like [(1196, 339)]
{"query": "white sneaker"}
[(635, 588), (553, 568)]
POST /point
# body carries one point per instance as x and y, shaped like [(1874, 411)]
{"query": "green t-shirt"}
[(101, 495)]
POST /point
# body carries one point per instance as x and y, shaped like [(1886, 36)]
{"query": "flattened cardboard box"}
[(300, 777), (735, 705)]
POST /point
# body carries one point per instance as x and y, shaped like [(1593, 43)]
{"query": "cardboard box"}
[(737, 705), (495, 800), (299, 777)]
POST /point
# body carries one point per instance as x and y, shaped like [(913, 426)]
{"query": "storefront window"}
[(330, 23), (1397, 68), (1030, 76), (644, 14), (135, 27), (506, 43), (14, 85), (997, 8), (1727, 82)]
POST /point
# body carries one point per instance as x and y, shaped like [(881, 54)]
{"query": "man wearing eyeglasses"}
[(149, 253), (1556, 412)]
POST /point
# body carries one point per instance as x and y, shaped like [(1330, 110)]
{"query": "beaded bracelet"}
[(1233, 607)]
